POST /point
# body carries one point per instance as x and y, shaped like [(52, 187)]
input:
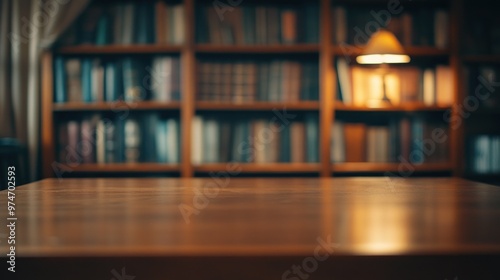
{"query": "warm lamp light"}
[(383, 48)]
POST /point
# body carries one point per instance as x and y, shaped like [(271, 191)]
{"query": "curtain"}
[(27, 27)]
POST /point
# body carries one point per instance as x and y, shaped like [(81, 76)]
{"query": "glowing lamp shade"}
[(383, 47)]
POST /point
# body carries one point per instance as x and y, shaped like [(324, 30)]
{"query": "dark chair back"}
[(13, 154)]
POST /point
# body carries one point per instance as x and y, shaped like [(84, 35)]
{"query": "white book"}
[(178, 24), (211, 140), (167, 77), (343, 72), (197, 140), (429, 87), (337, 149), (172, 141)]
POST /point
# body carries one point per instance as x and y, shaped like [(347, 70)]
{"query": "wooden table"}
[(338, 228)]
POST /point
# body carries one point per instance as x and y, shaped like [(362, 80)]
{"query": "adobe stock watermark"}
[(211, 189), (121, 276), (310, 264), (41, 18), (121, 109), (381, 19), (223, 6), (470, 104)]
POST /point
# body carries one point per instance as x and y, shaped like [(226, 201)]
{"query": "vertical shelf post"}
[(457, 142), (47, 123), (188, 66), (326, 86)]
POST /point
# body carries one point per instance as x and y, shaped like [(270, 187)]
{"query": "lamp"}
[(383, 48)]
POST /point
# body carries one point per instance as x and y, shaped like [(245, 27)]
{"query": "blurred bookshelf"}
[(479, 72), (249, 62)]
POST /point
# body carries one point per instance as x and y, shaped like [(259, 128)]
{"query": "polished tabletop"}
[(255, 217)]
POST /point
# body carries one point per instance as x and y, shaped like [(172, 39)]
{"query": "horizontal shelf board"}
[(482, 175), (410, 107), (125, 167), (260, 167), (257, 106), (487, 58), (486, 111), (116, 106), (299, 48), (352, 167), (119, 49), (411, 51)]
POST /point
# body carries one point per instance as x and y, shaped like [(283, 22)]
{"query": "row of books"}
[(484, 154), (129, 79), (482, 33), (278, 80), (360, 85), (258, 25), (95, 139), (482, 82), (407, 139), (255, 140), (422, 27), (130, 23)]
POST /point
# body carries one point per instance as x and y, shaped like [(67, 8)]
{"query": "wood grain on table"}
[(266, 218)]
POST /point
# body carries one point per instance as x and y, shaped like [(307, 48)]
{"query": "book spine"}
[(60, 84)]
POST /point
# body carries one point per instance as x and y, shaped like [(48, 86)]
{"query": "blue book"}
[(249, 25), (306, 83), (314, 81), (112, 82), (237, 139), (247, 151), (201, 26), (161, 141), (60, 83), (149, 144), (312, 24), (87, 80), (145, 26), (119, 140), (103, 32), (417, 131), (312, 137)]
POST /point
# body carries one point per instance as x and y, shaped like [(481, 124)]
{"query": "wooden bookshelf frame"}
[(326, 107)]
